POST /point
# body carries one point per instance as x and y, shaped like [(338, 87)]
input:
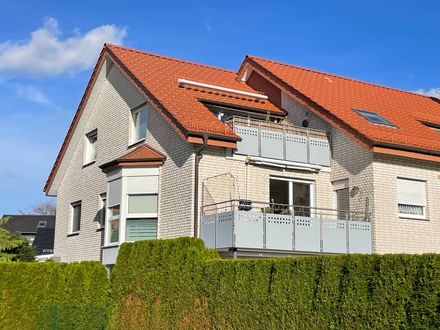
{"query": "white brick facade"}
[(111, 116), (109, 112)]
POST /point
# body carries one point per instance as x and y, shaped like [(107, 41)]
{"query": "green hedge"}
[(178, 284), (155, 284), (53, 296)]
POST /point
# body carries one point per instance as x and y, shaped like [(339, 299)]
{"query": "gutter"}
[(406, 148), (199, 156)]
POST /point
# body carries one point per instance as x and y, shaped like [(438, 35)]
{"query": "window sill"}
[(135, 144), (110, 245), (89, 163), (73, 234), (402, 217)]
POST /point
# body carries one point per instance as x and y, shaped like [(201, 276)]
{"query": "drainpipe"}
[(199, 156)]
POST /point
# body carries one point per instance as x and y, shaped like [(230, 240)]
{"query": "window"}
[(374, 117), (141, 221), (341, 199), (91, 140), (113, 233), (139, 125), (146, 203), (102, 210), (41, 224), (294, 195), (411, 198), (76, 217), (434, 127)]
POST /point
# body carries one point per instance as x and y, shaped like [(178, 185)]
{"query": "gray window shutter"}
[(114, 192), (343, 202)]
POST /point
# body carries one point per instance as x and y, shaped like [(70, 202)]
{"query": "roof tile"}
[(158, 75), (339, 95)]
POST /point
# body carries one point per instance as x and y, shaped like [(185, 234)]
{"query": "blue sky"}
[(48, 50)]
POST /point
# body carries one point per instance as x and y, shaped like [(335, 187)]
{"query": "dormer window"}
[(374, 118)]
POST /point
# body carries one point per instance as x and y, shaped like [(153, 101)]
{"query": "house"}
[(271, 160), (38, 229)]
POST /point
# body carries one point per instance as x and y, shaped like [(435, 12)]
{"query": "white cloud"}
[(432, 92), (46, 54), (31, 93)]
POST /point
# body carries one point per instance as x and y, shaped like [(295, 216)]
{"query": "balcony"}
[(281, 141), (286, 229)]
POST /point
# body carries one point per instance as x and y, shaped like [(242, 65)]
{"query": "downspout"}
[(199, 156)]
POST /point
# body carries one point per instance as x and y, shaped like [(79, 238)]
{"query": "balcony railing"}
[(254, 225), (280, 141)]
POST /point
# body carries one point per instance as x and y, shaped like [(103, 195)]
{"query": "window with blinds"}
[(140, 229), (144, 225), (411, 198), (343, 203)]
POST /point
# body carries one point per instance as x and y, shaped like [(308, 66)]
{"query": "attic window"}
[(374, 117), (434, 127), (41, 224)]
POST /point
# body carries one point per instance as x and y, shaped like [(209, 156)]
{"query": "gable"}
[(157, 79), (335, 99)]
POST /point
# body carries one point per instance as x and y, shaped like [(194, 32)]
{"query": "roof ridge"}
[(337, 76), (107, 45)]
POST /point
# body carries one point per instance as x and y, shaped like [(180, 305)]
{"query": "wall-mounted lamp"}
[(354, 191)]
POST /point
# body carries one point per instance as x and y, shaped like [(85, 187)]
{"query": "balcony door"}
[(297, 196)]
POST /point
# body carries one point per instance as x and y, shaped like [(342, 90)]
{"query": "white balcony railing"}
[(281, 141), (260, 226)]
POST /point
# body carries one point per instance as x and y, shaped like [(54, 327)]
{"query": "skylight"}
[(434, 127), (374, 117)]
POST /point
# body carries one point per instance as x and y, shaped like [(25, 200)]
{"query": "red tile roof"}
[(141, 156), (333, 97), (156, 76)]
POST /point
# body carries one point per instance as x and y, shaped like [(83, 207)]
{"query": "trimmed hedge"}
[(53, 296), (156, 284), (178, 284)]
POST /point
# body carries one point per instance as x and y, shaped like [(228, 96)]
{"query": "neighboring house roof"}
[(333, 98), (44, 241), (156, 78), (142, 155), (40, 226), (27, 224)]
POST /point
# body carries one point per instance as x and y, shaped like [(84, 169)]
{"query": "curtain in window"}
[(411, 209)]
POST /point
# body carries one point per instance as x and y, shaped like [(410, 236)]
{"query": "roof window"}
[(374, 117), (41, 224), (434, 127)]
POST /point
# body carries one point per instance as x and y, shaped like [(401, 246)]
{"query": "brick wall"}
[(400, 235), (110, 113)]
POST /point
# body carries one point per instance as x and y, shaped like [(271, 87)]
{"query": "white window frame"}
[(102, 210), (291, 182), (411, 193), (113, 218), (138, 134), (91, 144), (339, 185), (74, 215), (146, 216)]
